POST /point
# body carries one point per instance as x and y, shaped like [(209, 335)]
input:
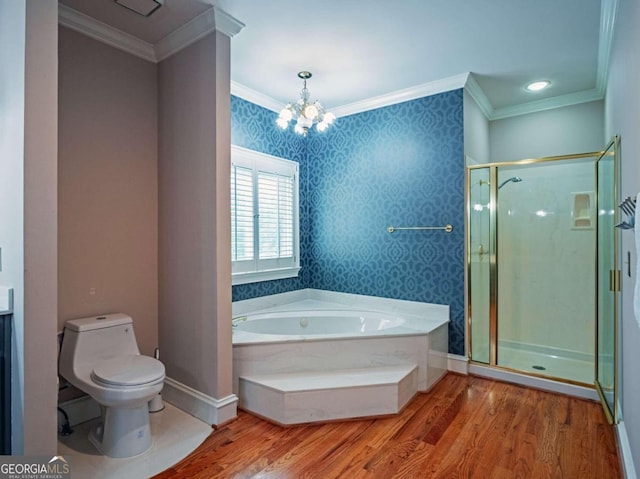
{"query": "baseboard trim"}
[(458, 364), (80, 409), (625, 451), (206, 408)]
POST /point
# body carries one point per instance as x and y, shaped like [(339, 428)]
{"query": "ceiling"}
[(359, 49)]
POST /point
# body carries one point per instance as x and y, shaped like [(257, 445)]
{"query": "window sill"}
[(269, 275)]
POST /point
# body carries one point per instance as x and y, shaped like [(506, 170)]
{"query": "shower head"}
[(515, 179)]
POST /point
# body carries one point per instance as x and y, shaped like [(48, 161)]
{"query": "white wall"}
[(476, 131), (622, 116), (108, 174), (561, 131), (12, 59), (40, 229), (28, 190), (194, 216)]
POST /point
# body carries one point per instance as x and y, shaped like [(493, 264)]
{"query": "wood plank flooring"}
[(466, 427)]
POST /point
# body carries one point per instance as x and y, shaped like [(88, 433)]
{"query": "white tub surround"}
[(299, 398), (399, 349), (323, 323), (395, 317)]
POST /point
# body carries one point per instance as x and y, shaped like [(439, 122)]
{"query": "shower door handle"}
[(614, 280)]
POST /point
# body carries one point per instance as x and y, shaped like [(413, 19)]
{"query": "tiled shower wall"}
[(401, 165)]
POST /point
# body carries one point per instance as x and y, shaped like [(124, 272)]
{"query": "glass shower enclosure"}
[(608, 278), (531, 266)]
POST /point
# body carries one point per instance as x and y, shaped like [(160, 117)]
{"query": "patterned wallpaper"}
[(255, 128), (400, 165)]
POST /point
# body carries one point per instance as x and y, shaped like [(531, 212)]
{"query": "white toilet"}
[(100, 356)]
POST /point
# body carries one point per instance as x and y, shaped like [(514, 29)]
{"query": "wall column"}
[(194, 226)]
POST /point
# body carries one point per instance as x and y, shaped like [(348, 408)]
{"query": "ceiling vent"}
[(141, 7)]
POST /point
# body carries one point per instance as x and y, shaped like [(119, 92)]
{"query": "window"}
[(264, 217)]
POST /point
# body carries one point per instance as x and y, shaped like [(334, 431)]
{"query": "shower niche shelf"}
[(582, 210)]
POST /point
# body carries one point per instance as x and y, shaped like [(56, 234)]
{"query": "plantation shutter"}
[(275, 200), (242, 237), (264, 217)]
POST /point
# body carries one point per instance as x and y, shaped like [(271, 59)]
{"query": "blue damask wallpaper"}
[(401, 165), (255, 128)]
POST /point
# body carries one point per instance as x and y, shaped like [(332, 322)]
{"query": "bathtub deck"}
[(296, 378), (304, 397), (418, 318)]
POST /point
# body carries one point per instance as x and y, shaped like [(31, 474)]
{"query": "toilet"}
[(100, 356)]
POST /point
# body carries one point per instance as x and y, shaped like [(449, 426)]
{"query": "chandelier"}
[(305, 112)]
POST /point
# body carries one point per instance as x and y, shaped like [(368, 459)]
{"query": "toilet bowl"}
[(100, 356)]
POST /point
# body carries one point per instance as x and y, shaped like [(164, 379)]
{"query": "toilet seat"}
[(128, 370)]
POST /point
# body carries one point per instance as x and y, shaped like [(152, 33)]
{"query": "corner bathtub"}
[(316, 332), (318, 324)]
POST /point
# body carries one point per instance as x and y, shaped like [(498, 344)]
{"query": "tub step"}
[(298, 398)]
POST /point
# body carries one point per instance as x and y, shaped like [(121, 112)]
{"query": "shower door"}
[(531, 266), (608, 279), (479, 243), (546, 268)]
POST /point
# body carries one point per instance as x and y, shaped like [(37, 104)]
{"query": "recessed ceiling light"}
[(538, 85)]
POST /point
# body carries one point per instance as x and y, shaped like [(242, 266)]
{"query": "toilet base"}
[(124, 432)]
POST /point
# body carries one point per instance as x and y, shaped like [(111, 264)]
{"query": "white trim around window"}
[(264, 217)]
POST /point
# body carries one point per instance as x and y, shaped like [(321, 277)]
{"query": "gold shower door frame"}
[(613, 273), (493, 255)]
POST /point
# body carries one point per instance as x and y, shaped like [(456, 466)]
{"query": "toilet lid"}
[(128, 370)]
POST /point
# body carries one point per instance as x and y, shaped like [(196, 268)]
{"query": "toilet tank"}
[(87, 340)]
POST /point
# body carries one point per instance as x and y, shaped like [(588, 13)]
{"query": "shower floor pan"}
[(551, 365)]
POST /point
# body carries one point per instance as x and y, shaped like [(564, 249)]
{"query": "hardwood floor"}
[(466, 427)]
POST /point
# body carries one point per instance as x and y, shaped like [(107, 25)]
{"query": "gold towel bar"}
[(447, 228)]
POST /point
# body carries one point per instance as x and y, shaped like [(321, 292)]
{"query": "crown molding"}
[(608, 13), (104, 33), (214, 19), (226, 23), (477, 93), (607, 23), (465, 80), (255, 97), (411, 93), (547, 104)]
